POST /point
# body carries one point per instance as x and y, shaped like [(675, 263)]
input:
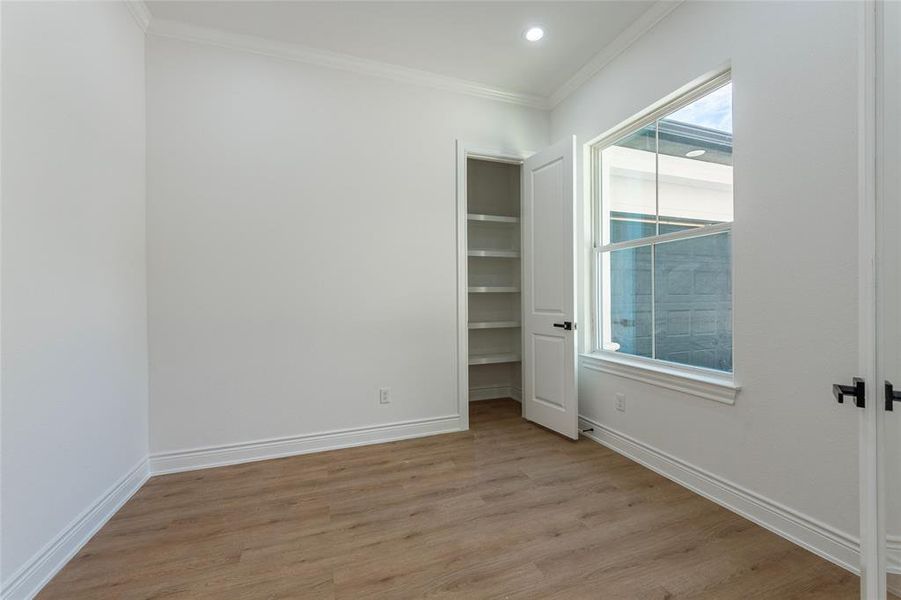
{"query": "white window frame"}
[(697, 381)]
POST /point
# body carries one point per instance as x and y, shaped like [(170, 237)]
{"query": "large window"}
[(663, 246)]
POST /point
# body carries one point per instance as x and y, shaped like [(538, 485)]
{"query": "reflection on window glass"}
[(693, 301), (630, 301), (629, 186), (694, 172)]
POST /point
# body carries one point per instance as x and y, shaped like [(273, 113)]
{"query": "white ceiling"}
[(474, 41)]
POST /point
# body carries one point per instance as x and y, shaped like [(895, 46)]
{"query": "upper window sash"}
[(634, 166)]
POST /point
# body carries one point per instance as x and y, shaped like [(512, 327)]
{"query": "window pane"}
[(628, 187), (695, 163), (629, 323), (693, 301)]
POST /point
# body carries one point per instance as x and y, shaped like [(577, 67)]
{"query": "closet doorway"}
[(489, 276), (516, 282)]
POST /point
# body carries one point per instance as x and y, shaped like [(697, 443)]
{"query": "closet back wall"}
[(302, 244)]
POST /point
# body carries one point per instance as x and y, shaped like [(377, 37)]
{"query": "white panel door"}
[(548, 295)]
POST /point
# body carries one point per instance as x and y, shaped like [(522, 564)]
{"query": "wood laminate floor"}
[(506, 510)]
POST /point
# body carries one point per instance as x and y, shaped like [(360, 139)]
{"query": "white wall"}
[(795, 260), (74, 364), (302, 244)]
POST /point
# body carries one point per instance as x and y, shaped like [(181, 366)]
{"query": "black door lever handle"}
[(858, 391), (567, 325), (891, 396)]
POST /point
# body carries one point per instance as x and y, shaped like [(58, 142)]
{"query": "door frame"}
[(883, 552), (870, 421), (888, 205), (465, 150)]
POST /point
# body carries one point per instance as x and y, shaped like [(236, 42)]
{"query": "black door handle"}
[(567, 325), (891, 396), (858, 391)]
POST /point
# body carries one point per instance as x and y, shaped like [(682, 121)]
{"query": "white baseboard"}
[(495, 391), (218, 456), (833, 545), (47, 562)]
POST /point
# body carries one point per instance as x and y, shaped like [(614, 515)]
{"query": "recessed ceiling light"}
[(695, 153), (533, 34)]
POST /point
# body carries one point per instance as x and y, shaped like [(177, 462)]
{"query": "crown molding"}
[(620, 43), (344, 62), (139, 12)]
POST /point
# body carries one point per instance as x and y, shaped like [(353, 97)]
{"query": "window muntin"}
[(663, 236)]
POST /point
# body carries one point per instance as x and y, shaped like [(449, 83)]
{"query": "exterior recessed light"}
[(695, 153), (533, 34)]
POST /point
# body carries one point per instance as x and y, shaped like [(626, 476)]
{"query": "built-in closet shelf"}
[(490, 359), (495, 253), (493, 289), (493, 324), (491, 269), (492, 218)]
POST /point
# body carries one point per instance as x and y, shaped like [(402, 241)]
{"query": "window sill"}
[(697, 382)]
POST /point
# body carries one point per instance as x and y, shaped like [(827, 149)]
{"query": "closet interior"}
[(493, 273)]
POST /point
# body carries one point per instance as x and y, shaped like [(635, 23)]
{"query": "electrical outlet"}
[(384, 395), (621, 402)]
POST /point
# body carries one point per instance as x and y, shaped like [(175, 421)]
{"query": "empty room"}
[(450, 299)]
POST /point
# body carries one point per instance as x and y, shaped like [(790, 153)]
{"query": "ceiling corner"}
[(140, 13), (656, 13)]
